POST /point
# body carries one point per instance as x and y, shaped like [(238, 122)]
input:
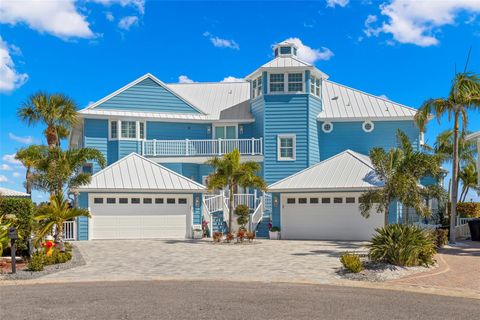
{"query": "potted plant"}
[(197, 233), (274, 233)]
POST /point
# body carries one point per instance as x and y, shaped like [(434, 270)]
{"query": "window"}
[(259, 86), (147, 200), (286, 147), (285, 50), (277, 82), (295, 82), (97, 200), (368, 126), (327, 127), (123, 200), (337, 200), (111, 200), (171, 200), (135, 200), (276, 52), (142, 130), (302, 200), (350, 200), (182, 201), (158, 200), (325, 200), (129, 129), (87, 168), (315, 86), (113, 129), (290, 200), (313, 200)]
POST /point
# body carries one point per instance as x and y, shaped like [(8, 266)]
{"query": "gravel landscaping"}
[(76, 261)]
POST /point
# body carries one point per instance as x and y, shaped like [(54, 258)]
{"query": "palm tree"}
[(464, 95), (62, 169), (29, 157), (443, 147), (400, 169), (231, 173), (55, 214), (56, 111), (469, 177)]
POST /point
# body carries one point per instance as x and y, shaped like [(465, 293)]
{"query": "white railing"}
[(69, 231), (214, 203), (245, 199), (256, 216), (462, 221), (211, 147), (462, 231)]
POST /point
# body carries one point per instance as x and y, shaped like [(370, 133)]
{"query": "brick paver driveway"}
[(264, 260)]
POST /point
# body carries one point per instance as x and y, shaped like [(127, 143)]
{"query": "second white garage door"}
[(136, 216), (326, 217)]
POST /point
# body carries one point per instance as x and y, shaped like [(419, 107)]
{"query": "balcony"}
[(201, 148)]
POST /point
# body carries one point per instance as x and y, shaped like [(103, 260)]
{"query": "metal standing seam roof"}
[(4, 192), (343, 103), (288, 62), (136, 173), (347, 170)]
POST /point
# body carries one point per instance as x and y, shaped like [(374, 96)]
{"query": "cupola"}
[(285, 48)]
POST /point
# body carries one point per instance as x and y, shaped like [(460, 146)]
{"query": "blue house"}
[(287, 115)]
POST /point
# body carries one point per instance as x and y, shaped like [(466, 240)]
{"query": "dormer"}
[(285, 49)]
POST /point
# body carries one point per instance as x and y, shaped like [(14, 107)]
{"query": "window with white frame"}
[(127, 130), (286, 147), (277, 82), (254, 88), (142, 130), (259, 86), (315, 86), (295, 82), (113, 130)]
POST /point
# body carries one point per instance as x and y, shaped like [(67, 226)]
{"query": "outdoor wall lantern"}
[(275, 201), (209, 129), (197, 202), (240, 129)]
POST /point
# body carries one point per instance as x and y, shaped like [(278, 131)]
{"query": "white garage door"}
[(136, 216), (326, 217)]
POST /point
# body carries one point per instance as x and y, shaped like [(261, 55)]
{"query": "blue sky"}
[(405, 50)]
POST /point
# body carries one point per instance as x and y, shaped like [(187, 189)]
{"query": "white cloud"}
[(138, 4), (16, 174), (59, 18), (127, 22), (340, 3), (109, 16), (10, 78), (308, 54), (24, 140), (232, 79), (221, 43), (10, 158), (185, 79), (417, 22), (5, 167), (3, 178)]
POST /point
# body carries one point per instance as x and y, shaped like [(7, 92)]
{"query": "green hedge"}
[(468, 209), (23, 209)]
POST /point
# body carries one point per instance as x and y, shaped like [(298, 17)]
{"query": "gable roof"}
[(346, 171), (340, 102), (136, 173), (289, 61), (9, 193)]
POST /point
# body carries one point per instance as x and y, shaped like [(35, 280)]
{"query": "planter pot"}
[(197, 234), (274, 235)]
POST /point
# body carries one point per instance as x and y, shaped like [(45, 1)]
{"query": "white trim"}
[(365, 123), (294, 146), (201, 160), (361, 119), (327, 130)]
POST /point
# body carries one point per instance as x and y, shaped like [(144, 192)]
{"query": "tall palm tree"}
[(443, 147), (464, 95), (62, 169), (55, 214), (469, 177), (231, 173), (56, 111), (29, 157)]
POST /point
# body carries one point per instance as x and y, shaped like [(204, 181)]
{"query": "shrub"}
[(229, 237), (240, 235), (57, 257), (36, 262), (441, 237), (468, 209), (23, 210), (242, 212), (217, 236), (250, 236), (403, 245), (351, 262), (274, 229)]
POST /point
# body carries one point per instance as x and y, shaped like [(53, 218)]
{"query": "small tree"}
[(55, 214), (29, 157), (242, 212), (231, 173)]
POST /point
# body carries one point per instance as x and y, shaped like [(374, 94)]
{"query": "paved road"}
[(223, 300)]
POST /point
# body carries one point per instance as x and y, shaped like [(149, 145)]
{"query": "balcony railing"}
[(195, 148)]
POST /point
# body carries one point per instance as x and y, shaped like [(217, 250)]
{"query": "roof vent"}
[(335, 98)]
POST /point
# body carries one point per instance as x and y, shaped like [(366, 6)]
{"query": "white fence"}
[(211, 147), (69, 231), (461, 221)]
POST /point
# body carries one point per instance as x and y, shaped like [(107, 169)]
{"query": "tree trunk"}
[(453, 211), (51, 135), (406, 214), (465, 194), (230, 209), (28, 181), (59, 239), (386, 217)]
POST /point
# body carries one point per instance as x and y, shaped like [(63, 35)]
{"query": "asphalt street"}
[(223, 300)]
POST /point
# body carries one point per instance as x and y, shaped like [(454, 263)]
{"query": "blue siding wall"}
[(147, 95), (190, 170), (197, 210), (314, 108), (350, 135), (276, 210), (285, 114), (248, 131), (112, 151), (177, 131), (257, 108), (82, 222), (125, 147), (96, 136)]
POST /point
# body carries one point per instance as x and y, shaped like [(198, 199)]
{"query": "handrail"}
[(256, 216)]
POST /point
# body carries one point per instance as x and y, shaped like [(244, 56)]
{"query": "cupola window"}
[(277, 82), (295, 82), (315, 86), (285, 50)]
